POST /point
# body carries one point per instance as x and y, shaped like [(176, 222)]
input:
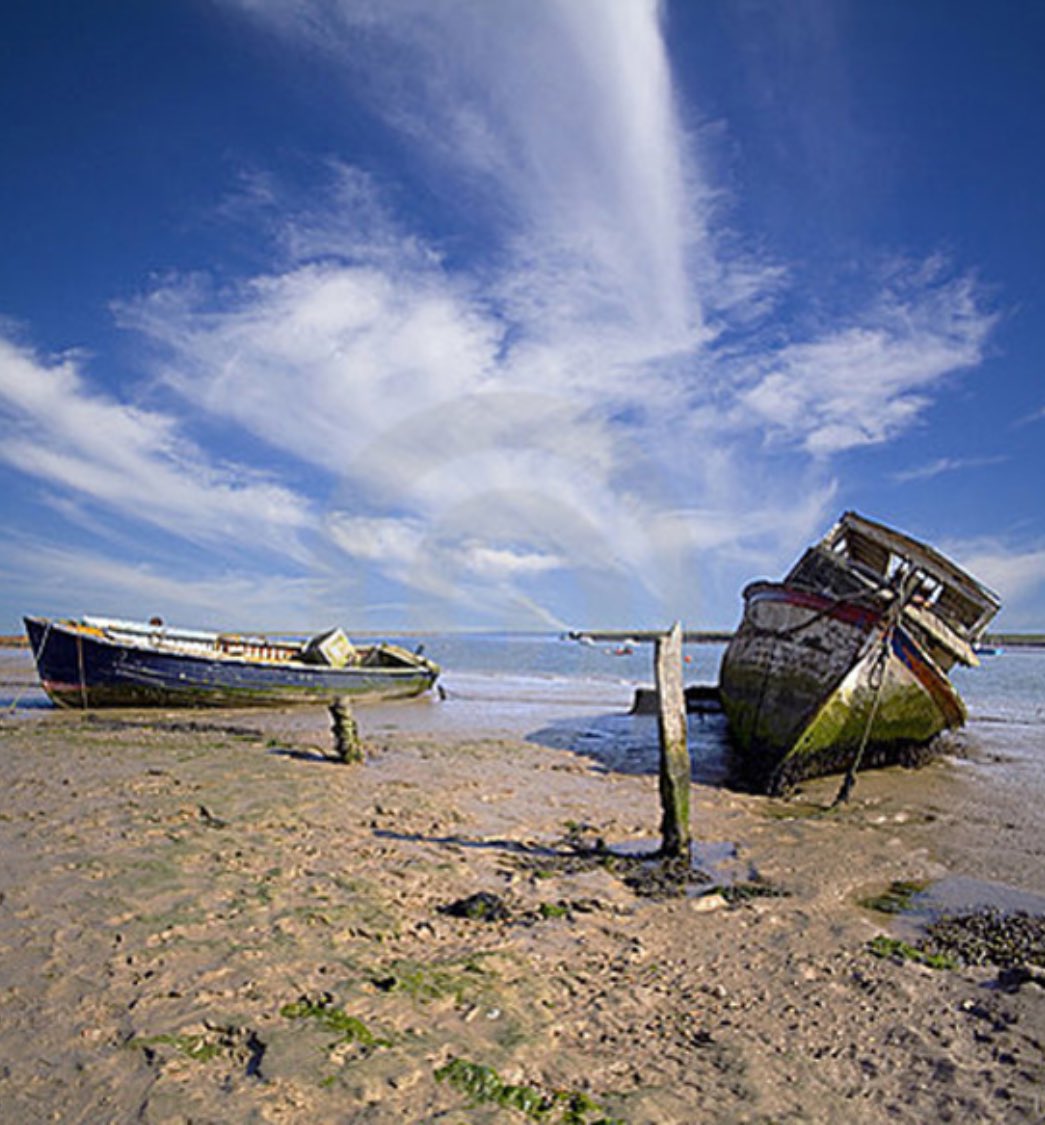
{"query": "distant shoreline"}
[(644, 636)]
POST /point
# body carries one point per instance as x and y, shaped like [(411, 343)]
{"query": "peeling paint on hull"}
[(795, 686), (79, 670)]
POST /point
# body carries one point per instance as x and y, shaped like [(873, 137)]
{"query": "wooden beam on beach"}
[(674, 751), (346, 732)]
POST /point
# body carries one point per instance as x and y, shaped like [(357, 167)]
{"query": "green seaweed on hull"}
[(843, 664)]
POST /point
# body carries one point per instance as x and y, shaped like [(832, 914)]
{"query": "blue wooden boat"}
[(102, 662)]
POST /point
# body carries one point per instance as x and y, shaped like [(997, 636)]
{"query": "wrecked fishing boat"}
[(844, 663), (101, 662)]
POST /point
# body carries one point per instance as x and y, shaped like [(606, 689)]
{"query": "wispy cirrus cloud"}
[(866, 382), (555, 120), (946, 465), (41, 575), (131, 461)]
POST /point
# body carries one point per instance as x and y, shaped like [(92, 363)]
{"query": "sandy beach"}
[(203, 918)]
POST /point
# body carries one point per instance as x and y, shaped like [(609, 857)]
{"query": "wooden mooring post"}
[(346, 733), (674, 751)]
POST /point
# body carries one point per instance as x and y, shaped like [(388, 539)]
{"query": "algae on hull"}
[(849, 654)]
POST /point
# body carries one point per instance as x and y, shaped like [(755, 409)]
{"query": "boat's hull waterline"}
[(86, 666)]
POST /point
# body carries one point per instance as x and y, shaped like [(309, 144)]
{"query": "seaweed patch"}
[(896, 899), (236, 1044), (989, 937), (484, 1085), (349, 1029), (981, 937), (886, 947)]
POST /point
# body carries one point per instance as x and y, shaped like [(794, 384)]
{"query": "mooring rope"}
[(856, 598), (876, 679)]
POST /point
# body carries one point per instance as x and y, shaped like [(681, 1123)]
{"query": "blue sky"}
[(523, 314)]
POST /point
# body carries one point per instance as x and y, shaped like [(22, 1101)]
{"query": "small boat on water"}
[(845, 661), (102, 662)]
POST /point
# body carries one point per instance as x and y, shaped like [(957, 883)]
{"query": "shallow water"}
[(20, 691), (961, 894)]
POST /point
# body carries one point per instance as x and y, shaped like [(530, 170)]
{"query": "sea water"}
[(989, 787), (511, 681), (562, 693)]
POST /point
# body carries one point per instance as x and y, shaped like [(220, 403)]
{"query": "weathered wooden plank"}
[(346, 732), (674, 751)]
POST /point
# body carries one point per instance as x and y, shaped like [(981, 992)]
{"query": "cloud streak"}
[(866, 383), (946, 465), (131, 461)]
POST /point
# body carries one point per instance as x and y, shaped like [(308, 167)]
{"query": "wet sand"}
[(204, 919)]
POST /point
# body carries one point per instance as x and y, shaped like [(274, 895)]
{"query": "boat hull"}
[(799, 686), (79, 670)]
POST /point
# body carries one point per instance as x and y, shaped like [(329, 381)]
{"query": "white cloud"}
[(44, 577), (580, 378), (320, 359), (867, 383), (1016, 573), (132, 461), (378, 539), (946, 465), (507, 562), (1034, 416), (557, 120)]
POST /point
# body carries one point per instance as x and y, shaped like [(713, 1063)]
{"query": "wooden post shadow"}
[(674, 751)]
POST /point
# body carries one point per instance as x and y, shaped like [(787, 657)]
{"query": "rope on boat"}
[(794, 630), (876, 679), (818, 615)]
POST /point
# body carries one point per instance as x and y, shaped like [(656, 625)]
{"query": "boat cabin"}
[(864, 560)]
